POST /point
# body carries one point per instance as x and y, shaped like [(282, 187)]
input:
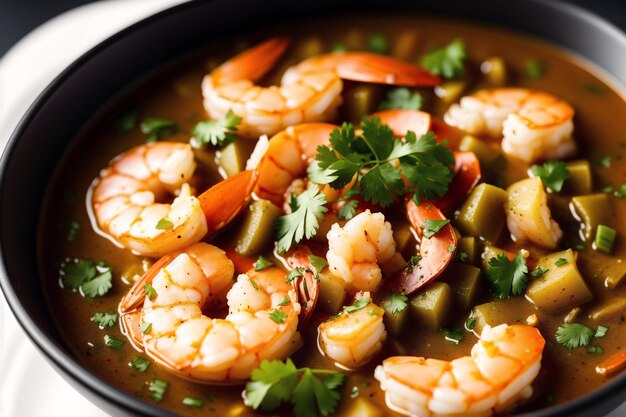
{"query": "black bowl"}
[(48, 127)]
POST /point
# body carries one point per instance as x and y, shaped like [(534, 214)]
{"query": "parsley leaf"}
[(573, 335), (262, 263), (140, 364), (357, 305), (447, 61), (217, 132), (275, 382), (402, 98), (507, 277), (552, 173), (601, 332), (106, 319), (156, 128), (348, 210), (77, 271), (395, 303), (303, 222), (377, 161), (113, 342), (318, 263), (99, 285), (432, 227)]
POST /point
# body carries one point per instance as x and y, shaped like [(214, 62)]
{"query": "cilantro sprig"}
[(448, 61), (402, 98), (377, 161), (311, 391), (573, 335), (507, 277), (106, 319), (217, 132), (307, 209), (91, 279), (552, 173)]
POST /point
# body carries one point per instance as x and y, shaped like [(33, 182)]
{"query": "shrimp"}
[(356, 250), (354, 336), (261, 323), (309, 91), (499, 372), (123, 201), (534, 125)]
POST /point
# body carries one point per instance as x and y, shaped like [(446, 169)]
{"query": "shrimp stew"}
[(399, 216)]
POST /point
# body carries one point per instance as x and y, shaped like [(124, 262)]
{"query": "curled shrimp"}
[(261, 323), (309, 91), (499, 372), (356, 250), (534, 125), (123, 202), (354, 336)]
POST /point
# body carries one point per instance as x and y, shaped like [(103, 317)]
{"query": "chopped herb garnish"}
[(348, 210), (507, 277), (311, 391), (127, 120), (140, 364), (164, 224), (402, 98), (539, 272), (92, 280), (373, 312), (357, 305), (295, 273), (73, 227), (369, 161), (98, 286), (262, 263), (552, 173), (157, 389), (597, 350), (217, 132), (455, 335), (396, 303), (415, 259), (146, 327), (451, 248), (278, 316), (601, 332), (254, 284), (113, 342), (470, 323), (156, 128), (150, 291), (318, 263), (605, 161), (448, 61), (560, 262), (303, 222), (573, 335), (621, 191), (377, 43), (462, 256), (535, 69), (193, 402), (605, 238), (432, 227), (106, 319), (284, 301)]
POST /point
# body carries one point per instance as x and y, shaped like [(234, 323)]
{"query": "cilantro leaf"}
[(453, 335), (378, 137), (271, 384), (304, 396), (150, 291), (552, 173), (381, 183), (140, 364), (262, 263), (295, 273), (507, 277), (99, 285), (402, 98), (447, 61), (326, 398), (432, 227), (156, 128), (113, 342), (77, 271), (106, 319), (303, 222), (318, 263), (395, 303), (357, 305), (334, 380), (278, 316), (348, 210), (539, 272), (601, 332), (164, 224), (573, 335), (217, 132)]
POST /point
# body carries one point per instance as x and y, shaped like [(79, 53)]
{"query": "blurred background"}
[(18, 17)]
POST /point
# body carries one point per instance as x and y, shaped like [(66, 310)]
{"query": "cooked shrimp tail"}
[(435, 253), (467, 175), (307, 285), (497, 375)]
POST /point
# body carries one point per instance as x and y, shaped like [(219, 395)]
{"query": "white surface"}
[(28, 385)]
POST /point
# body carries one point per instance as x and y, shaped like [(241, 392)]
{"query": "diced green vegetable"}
[(393, 265), (360, 100), (495, 70), (450, 91), (614, 272), (332, 293), (465, 282), (470, 246), (580, 178), (232, 157), (593, 210), (431, 307), (561, 287), (605, 238), (609, 310), (256, 228), (482, 214), (498, 312), (396, 313), (405, 241)]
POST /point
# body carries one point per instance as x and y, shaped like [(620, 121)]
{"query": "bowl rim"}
[(69, 366)]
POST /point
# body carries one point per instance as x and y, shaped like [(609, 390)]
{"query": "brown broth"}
[(174, 93)]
